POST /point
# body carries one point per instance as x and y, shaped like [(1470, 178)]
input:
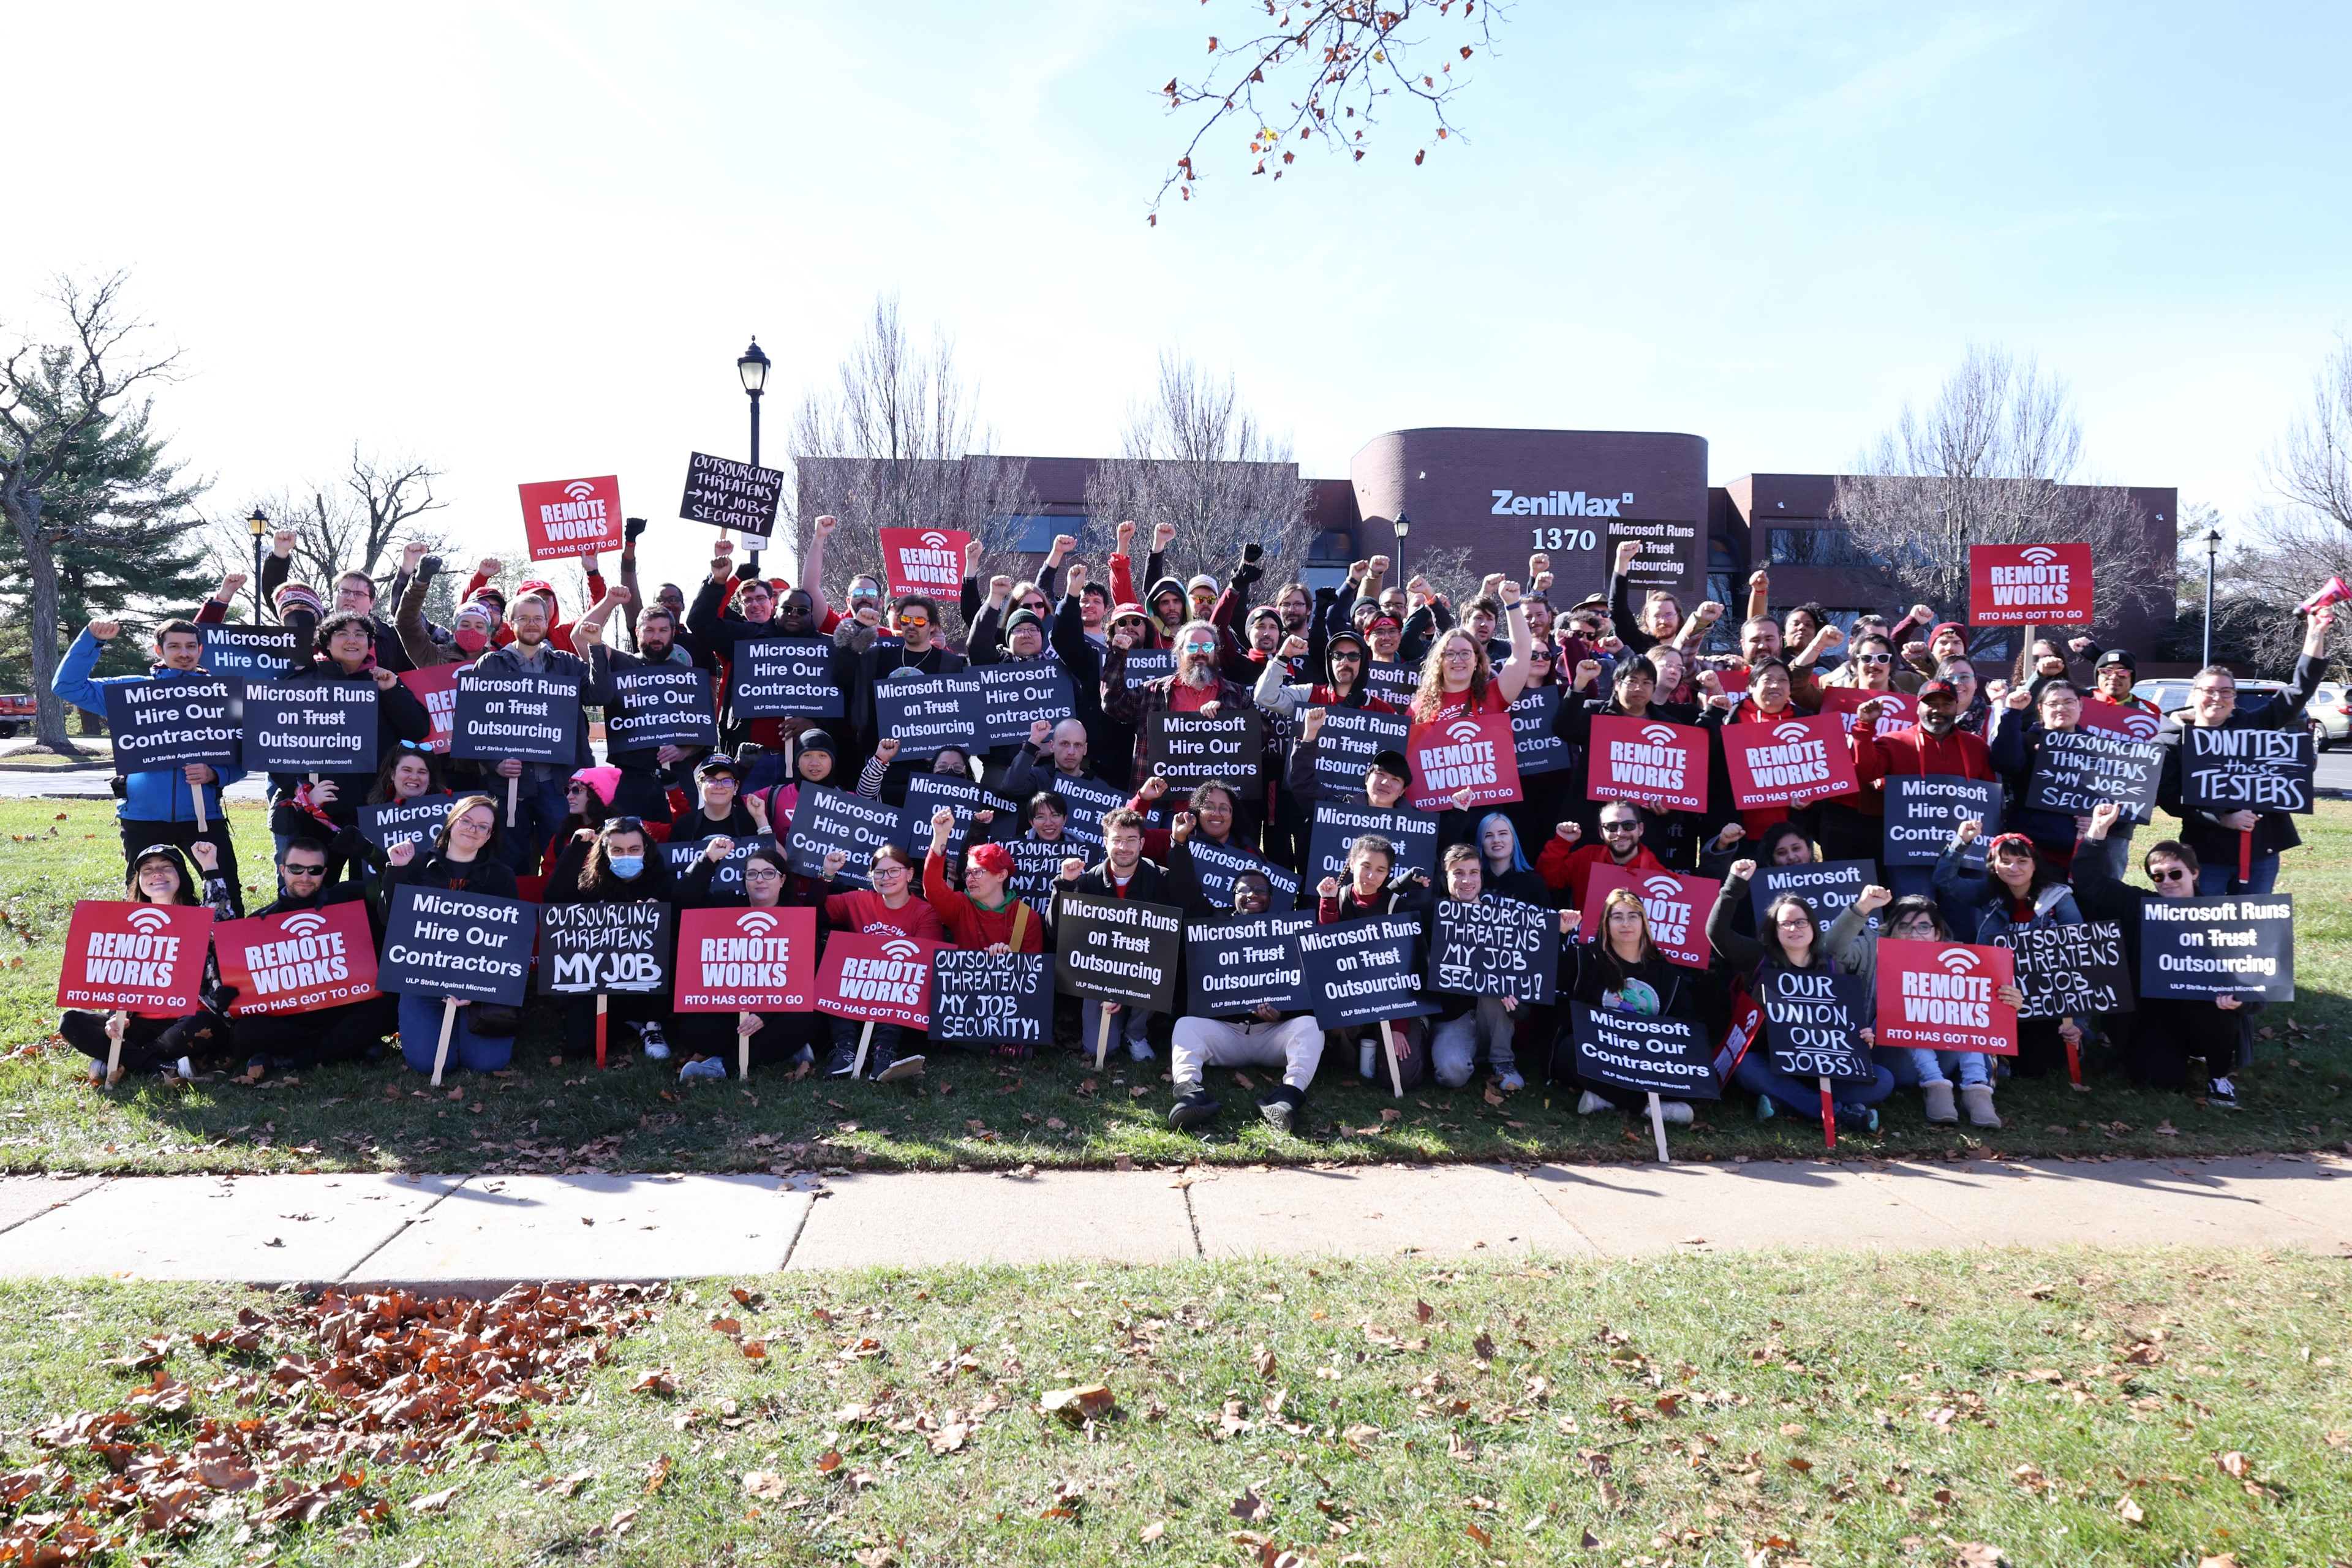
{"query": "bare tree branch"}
[(2313, 467)]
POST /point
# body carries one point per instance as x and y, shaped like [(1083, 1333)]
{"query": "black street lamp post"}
[(260, 523), (2212, 546), (1400, 527), (753, 368)]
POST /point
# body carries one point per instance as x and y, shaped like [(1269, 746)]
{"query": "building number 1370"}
[(1565, 539)]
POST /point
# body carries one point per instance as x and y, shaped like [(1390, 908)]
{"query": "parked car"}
[(2330, 709), (16, 715), (2171, 693)]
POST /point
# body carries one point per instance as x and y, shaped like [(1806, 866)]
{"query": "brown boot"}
[(1938, 1097), (1977, 1099)]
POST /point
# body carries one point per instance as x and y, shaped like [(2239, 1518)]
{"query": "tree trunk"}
[(41, 567)]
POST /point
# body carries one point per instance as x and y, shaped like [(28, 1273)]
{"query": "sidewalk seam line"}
[(808, 1211), (361, 1262), (1526, 1178), (1192, 1218), (61, 1203)]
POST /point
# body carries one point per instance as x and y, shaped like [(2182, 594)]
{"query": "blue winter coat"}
[(158, 794)]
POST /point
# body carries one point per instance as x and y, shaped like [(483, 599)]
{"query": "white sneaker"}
[(1591, 1103), (1512, 1083), (187, 1068), (1674, 1113), (649, 1036)]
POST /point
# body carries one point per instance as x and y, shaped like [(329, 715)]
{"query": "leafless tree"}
[(1989, 462), (2277, 558), (1322, 67), (1192, 455), (356, 523), (2313, 467), (57, 400), (901, 446)]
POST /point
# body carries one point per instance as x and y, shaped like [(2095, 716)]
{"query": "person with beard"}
[(1167, 607), (617, 864), (354, 595), (1371, 888), (1122, 873), (1674, 836), (289, 1042), (1936, 745), (465, 857), (539, 790), (159, 874), (647, 773), (797, 613), (1342, 664), (341, 650), (709, 1040), (1268, 1038), (1194, 685), (1566, 867), (920, 652)]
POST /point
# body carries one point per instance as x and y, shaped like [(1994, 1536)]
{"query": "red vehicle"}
[(17, 714)]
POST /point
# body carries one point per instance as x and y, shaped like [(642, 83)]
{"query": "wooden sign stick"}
[(600, 1031), (743, 1045), (1658, 1129), (865, 1037), (1388, 1044), (196, 794), (115, 1023), (514, 787), (1102, 1038), (441, 1051)]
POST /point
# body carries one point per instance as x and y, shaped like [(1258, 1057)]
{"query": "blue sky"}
[(526, 240)]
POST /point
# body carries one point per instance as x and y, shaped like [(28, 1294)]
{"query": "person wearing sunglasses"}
[(292, 1042), (588, 802), (1197, 685), (2020, 890), (1565, 864), (1935, 746), (920, 651)]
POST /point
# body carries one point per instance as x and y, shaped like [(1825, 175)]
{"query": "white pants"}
[(1294, 1045)]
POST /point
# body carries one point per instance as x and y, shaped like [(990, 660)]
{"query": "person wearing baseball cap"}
[(724, 810), (1936, 745), (1342, 685)]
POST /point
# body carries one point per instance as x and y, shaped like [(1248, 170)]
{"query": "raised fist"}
[(942, 823), (490, 565), (887, 749), (1041, 733), (1074, 869), (1181, 831), (1164, 534), (1292, 646), (1311, 725), (1380, 565), (1568, 832), (1153, 789), (972, 553), (1627, 549), (402, 853), (1539, 563), (1125, 536), (1871, 897), (835, 859), (1968, 832), (282, 541), (429, 568), (1063, 545), (1741, 870), (1328, 887), (104, 630), (748, 571), (1707, 612), (825, 526), (411, 554), (632, 529), (1000, 588), (1075, 581), (2019, 699)]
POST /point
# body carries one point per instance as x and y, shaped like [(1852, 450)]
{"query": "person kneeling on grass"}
[(1623, 972), (1265, 1038), (158, 875), (285, 1042), (1122, 873), (613, 864), (1462, 1022), (711, 1040), (889, 908), (465, 857), (1916, 917), (1368, 891)]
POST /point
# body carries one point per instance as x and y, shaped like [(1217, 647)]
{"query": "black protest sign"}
[(620, 949), (1411, 834), (660, 705), (926, 793), (1089, 798), (1017, 694), (1188, 749), (1922, 813), (1214, 867), (402, 821), (926, 713), (2247, 770), (825, 820), (2077, 769), (2069, 971), (1038, 865), (2244, 944), (725, 493), (249, 653), (727, 876), (1828, 886), (1494, 946), (1534, 731), (1235, 965), (504, 714), (310, 726), (174, 723), (1393, 683), (992, 998), (784, 678), (1363, 970), (1648, 1054), (1143, 664), (470, 946), (1350, 738), (1809, 1019), (1119, 950)]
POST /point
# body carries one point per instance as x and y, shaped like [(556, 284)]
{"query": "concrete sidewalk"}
[(481, 1233)]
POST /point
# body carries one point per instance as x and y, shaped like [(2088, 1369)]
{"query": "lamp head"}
[(258, 523), (1402, 526), (753, 368)]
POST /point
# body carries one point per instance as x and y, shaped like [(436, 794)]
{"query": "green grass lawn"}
[(2065, 1408), (552, 1115)]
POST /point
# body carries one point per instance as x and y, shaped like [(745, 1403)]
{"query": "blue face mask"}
[(627, 866)]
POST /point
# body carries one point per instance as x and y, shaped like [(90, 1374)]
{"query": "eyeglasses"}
[(291, 869), (914, 622), (2216, 690), (1199, 648), (762, 874), (1614, 828), (2177, 874)]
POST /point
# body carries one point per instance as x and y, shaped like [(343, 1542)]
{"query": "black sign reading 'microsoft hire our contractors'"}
[(1648, 1054), (2246, 770), (660, 705), (402, 821), (174, 723), (470, 946), (1922, 813), (785, 677), (1243, 962), (503, 713), (825, 820), (2244, 944), (1017, 693), (310, 726)]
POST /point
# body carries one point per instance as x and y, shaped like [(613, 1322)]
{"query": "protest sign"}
[(1792, 762), (784, 678), (174, 723), (1896, 709), (2242, 944), (1349, 740), (1365, 971), (604, 949), (2028, 584), (1119, 950), (725, 494), (1923, 813), (1412, 835), (1037, 864), (403, 821), (1242, 963), (660, 705), (1829, 886), (1143, 664), (1214, 867), (746, 961), (1536, 742), (438, 688), (310, 726), (1089, 799), (927, 561), (572, 517), (470, 946), (1648, 761), (249, 653), (1938, 996), (1809, 1019), (1392, 683), (297, 961), (1449, 755), (881, 977), (1018, 694), (2246, 770), (992, 998), (1647, 1054), (2069, 971), (726, 877), (1677, 907), (926, 793), (141, 958), (503, 713), (2132, 723), (2074, 770), (1495, 946), (1188, 749), (926, 713)]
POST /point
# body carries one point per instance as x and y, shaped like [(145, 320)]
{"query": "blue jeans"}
[(539, 811), (1802, 1097), (420, 1036), (1920, 1065), (1130, 1025), (2214, 882)]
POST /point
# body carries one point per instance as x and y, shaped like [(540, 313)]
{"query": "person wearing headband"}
[(159, 874)]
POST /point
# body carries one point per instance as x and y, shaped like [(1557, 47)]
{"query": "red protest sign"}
[(572, 517), (1939, 995), (1898, 710), (1450, 754), (1793, 761), (2028, 584), (141, 958), (1647, 761), (924, 560), (297, 961), (2132, 724), (885, 978), (746, 961), (1678, 908), (438, 688)]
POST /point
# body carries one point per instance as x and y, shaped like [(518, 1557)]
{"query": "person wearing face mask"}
[(540, 804), (159, 874), (1621, 971), (1266, 1039), (477, 620), (617, 864), (647, 773), (464, 856), (709, 1041), (1935, 745), (2020, 890), (1788, 937)]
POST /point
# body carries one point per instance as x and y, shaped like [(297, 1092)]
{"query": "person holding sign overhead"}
[(985, 915), (1622, 972), (2019, 889), (159, 875), (466, 857)]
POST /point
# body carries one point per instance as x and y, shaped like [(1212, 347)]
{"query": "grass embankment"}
[(554, 1115)]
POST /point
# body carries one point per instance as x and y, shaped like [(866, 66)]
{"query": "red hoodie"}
[(1911, 753), (559, 632), (1562, 866)]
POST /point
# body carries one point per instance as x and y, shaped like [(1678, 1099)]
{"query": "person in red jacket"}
[(888, 907), (1563, 864), (1936, 745), (985, 914)]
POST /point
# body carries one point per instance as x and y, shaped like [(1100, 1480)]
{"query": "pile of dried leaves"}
[(320, 1389)]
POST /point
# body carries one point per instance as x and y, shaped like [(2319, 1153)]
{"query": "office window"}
[(1829, 546)]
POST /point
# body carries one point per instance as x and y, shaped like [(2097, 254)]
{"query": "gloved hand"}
[(429, 568), (632, 527), (746, 571)]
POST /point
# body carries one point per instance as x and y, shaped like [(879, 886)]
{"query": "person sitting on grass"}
[(1264, 1037), (709, 1041), (1463, 1022), (1122, 873), (286, 1042), (619, 863), (1366, 891), (465, 857), (2019, 890), (158, 875), (1914, 917), (1622, 972), (886, 909), (985, 914)]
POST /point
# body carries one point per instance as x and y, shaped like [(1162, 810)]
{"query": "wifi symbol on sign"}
[(148, 918), (1464, 730), (1791, 734), (1662, 887), (2040, 554), (2141, 726), (758, 922), (901, 949), (1958, 960), (580, 490), (1657, 734), (933, 539), (303, 922)]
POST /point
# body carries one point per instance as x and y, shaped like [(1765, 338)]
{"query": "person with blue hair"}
[(1505, 866)]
